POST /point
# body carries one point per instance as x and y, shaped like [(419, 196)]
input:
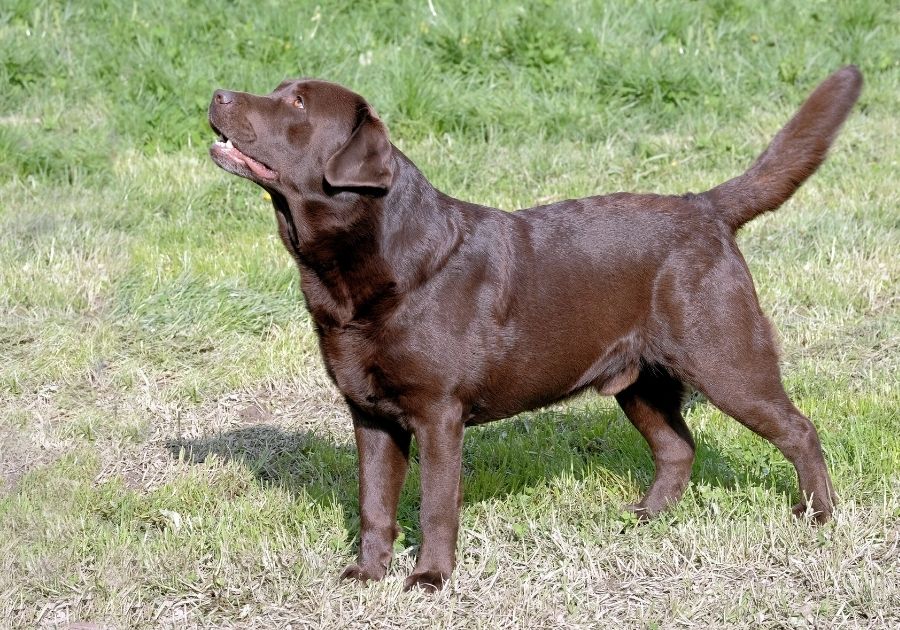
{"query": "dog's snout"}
[(224, 97)]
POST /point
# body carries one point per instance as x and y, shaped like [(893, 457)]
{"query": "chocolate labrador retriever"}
[(435, 314)]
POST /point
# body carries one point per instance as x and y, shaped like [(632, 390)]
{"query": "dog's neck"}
[(381, 245)]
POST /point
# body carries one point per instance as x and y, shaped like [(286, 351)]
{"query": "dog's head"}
[(306, 136)]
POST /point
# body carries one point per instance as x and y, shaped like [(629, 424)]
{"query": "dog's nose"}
[(224, 97)]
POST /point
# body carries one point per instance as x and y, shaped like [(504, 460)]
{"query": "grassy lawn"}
[(171, 451)]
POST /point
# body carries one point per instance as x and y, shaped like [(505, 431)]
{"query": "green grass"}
[(171, 452)]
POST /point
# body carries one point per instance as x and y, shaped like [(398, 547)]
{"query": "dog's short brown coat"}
[(434, 314)]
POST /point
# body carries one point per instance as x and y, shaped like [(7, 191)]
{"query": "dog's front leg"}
[(383, 449), (440, 440)]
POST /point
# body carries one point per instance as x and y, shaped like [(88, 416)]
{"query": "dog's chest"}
[(356, 365)]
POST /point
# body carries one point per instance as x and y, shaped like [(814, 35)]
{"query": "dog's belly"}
[(544, 378), (393, 382)]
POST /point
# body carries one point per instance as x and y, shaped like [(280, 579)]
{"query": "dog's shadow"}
[(503, 459)]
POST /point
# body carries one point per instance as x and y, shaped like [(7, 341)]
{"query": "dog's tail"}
[(795, 153)]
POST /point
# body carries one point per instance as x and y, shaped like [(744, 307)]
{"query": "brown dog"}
[(434, 314)]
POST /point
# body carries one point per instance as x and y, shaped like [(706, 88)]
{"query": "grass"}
[(171, 452)]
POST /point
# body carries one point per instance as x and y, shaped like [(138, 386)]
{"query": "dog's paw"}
[(803, 510), (642, 513), (362, 573), (428, 581)]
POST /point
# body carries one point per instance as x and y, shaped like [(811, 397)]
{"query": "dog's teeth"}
[(228, 144)]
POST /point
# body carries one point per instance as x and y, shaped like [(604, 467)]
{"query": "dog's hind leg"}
[(747, 386), (653, 404), (732, 358)]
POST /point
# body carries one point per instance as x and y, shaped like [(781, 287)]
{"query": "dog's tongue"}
[(259, 169)]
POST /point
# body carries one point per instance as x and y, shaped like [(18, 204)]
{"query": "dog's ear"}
[(365, 159)]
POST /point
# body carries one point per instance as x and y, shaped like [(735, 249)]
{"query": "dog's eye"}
[(298, 102)]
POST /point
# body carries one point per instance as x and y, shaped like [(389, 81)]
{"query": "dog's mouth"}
[(233, 160)]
